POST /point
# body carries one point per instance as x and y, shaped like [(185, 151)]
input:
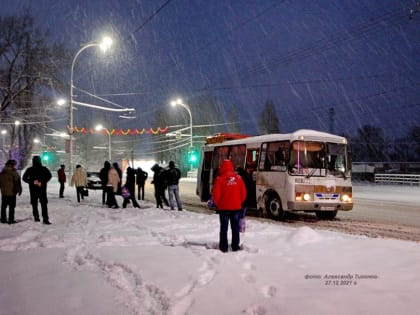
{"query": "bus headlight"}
[(346, 198), (300, 196)]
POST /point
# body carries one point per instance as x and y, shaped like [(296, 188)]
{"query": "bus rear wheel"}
[(273, 208), (326, 215)]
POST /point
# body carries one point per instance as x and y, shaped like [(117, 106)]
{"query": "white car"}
[(93, 180)]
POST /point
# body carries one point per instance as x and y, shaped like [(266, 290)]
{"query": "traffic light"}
[(193, 157), (47, 157)]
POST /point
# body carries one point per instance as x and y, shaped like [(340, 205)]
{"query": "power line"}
[(150, 18), (321, 45)]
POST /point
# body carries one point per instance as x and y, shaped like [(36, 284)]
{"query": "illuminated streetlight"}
[(179, 102), (105, 44), (61, 102)]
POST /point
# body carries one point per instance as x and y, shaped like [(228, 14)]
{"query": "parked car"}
[(93, 180)]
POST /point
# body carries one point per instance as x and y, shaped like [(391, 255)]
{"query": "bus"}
[(306, 170)]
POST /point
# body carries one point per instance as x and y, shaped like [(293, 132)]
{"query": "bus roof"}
[(301, 134)]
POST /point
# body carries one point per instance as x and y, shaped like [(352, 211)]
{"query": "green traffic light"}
[(46, 156), (193, 157)]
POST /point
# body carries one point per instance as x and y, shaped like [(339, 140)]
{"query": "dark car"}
[(93, 180)]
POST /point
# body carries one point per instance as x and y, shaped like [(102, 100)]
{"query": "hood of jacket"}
[(36, 161), (226, 167)]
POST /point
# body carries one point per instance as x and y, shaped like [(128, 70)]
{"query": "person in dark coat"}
[(160, 186), (103, 175), (10, 186), (61, 179), (140, 181), (37, 176), (173, 175), (130, 184), (250, 188)]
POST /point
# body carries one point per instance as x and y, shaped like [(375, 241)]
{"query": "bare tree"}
[(28, 64), (369, 145), (269, 122)]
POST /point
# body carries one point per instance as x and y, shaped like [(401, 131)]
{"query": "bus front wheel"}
[(273, 207)]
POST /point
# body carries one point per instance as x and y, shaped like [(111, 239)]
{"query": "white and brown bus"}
[(306, 170)]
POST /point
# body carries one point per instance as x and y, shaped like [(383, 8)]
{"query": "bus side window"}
[(280, 157), (262, 157), (267, 162)]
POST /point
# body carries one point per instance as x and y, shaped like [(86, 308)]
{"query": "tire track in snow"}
[(184, 299), (139, 297)]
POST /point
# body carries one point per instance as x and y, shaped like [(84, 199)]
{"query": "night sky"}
[(359, 57)]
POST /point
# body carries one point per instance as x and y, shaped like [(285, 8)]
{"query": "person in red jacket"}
[(229, 192), (61, 179)]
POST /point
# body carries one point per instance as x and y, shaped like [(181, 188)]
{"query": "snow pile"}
[(304, 235), (95, 260)]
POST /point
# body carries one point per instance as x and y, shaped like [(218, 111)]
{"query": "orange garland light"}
[(121, 132)]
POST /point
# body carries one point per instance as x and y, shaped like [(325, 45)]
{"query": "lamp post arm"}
[(189, 113), (104, 108), (71, 102)]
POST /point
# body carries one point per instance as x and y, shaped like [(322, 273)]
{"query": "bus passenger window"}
[(280, 157)]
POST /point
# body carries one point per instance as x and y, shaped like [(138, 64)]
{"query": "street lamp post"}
[(100, 127), (104, 45), (179, 102)]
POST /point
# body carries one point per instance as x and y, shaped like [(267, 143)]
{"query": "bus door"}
[(272, 170), (203, 187), (252, 155), (235, 153)]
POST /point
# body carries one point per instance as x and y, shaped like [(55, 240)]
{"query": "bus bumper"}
[(316, 206)]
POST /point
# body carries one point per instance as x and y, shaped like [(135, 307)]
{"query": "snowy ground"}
[(95, 260)]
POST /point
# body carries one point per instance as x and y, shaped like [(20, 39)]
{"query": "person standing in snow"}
[(119, 171), (114, 181), (250, 192), (79, 180), (173, 174), (61, 174), (229, 192), (10, 186), (141, 177), (160, 186), (37, 176), (103, 175), (130, 184)]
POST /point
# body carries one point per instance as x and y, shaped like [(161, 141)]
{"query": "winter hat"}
[(171, 164), (11, 163)]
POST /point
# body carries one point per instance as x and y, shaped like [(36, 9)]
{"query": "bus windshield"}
[(312, 158)]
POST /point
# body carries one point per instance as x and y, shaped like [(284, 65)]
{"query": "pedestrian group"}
[(229, 193)]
